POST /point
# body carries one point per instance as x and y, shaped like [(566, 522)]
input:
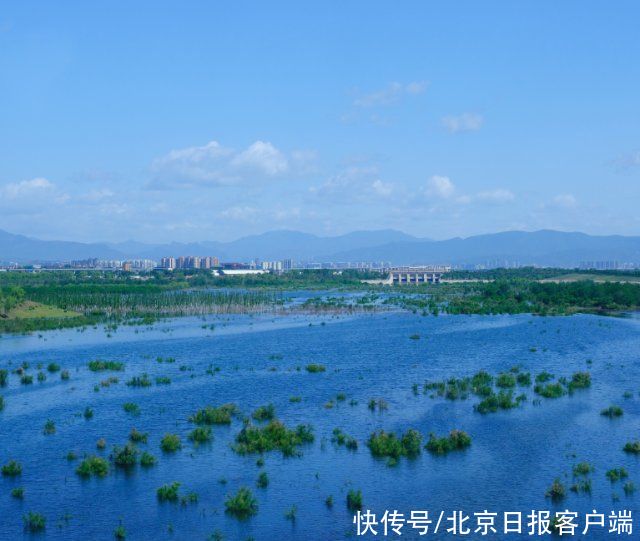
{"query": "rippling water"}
[(514, 457)]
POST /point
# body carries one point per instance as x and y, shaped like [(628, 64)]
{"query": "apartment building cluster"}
[(189, 262)]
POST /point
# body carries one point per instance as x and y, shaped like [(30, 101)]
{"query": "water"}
[(514, 457)]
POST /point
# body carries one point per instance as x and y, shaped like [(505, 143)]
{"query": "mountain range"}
[(545, 247)]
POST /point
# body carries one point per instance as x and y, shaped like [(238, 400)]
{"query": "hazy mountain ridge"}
[(546, 247)]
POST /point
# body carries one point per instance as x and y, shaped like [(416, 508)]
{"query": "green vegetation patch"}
[(273, 436), (457, 440)]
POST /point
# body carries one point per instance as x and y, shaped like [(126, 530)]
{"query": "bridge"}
[(430, 274)]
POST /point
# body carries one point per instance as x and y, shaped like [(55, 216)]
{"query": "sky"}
[(199, 120)]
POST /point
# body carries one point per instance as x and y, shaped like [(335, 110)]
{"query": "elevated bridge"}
[(430, 274)]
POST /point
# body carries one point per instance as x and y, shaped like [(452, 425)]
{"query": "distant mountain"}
[(548, 248)]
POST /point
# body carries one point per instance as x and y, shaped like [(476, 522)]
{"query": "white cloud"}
[(26, 188), (565, 201), (496, 196), (440, 187), (390, 94), (381, 188), (215, 165), (463, 122)]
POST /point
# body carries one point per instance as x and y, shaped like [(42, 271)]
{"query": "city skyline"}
[(440, 121)]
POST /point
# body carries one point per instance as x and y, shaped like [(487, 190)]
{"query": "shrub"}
[(616, 474), (53, 367), (494, 402), (214, 416), (34, 522), (64, 375), (274, 435), (88, 413), (264, 413), (26, 379), (101, 366), (138, 437), (580, 380), (506, 381), (12, 469), (455, 441), (315, 368), (17, 493), (4, 375), (556, 491), (200, 434), (583, 468), (125, 456), (170, 443), (147, 459), (612, 411), (168, 493), (93, 465), (354, 500), (49, 427), (550, 390), (263, 480), (242, 504), (387, 444)]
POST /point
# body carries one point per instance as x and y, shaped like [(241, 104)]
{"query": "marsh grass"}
[(140, 381), (550, 390), (263, 480), (138, 437), (354, 500), (125, 456), (342, 439), (120, 532), (93, 465), (101, 366), (88, 413), (457, 440), (583, 468), (616, 474), (131, 407), (503, 400), (612, 412), (264, 413), (170, 443), (12, 468), (632, 447), (386, 444), (556, 491), (210, 415), (17, 493), (26, 379), (163, 380), (49, 428), (291, 513), (53, 367), (147, 459), (64, 375), (274, 436), (168, 493), (200, 434), (34, 522), (242, 504), (314, 368), (4, 376), (579, 380)]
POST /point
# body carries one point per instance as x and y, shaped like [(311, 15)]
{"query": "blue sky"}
[(162, 121)]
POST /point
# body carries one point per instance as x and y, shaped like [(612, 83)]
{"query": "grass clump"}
[(632, 447), (556, 491), (53, 367), (101, 366), (168, 493), (264, 413), (163, 380), (200, 434), (502, 400), (17, 493), (582, 486), (629, 488), (214, 416), (524, 379), (242, 504), (612, 411), (34, 522), (274, 436), (147, 459), (26, 379), (550, 390), (88, 413), (616, 474), (263, 480), (93, 465), (354, 500), (457, 440), (170, 443), (120, 532), (543, 377), (125, 456), (340, 438), (506, 381), (295, 399), (315, 368), (138, 437), (64, 375), (140, 381), (12, 469), (4, 376), (131, 407), (583, 468), (580, 380), (387, 444), (49, 428)]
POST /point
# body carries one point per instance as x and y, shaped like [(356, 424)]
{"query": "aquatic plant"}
[(274, 436), (64, 375), (612, 411), (147, 459), (93, 465), (131, 407), (543, 377), (387, 444), (582, 486), (26, 379), (71, 456), (163, 380), (615, 474), (496, 401), (340, 438), (455, 441), (263, 480), (264, 413), (583, 468), (295, 399), (328, 501), (210, 415), (12, 469), (49, 427), (556, 491), (524, 379), (125, 456), (17, 493), (415, 337), (170, 443), (140, 381), (200, 434), (290, 514), (34, 522), (168, 493), (189, 497), (580, 380), (138, 437), (1, 402), (629, 488), (120, 532), (354, 500), (550, 390), (42, 376), (101, 366), (4, 375), (88, 413), (242, 504), (101, 443), (506, 381), (53, 367), (632, 447), (315, 368)]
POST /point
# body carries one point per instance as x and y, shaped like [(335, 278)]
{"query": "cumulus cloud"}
[(383, 189), (390, 94), (24, 188), (215, 165), (440, 187), (463, 122), (354, 183)]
